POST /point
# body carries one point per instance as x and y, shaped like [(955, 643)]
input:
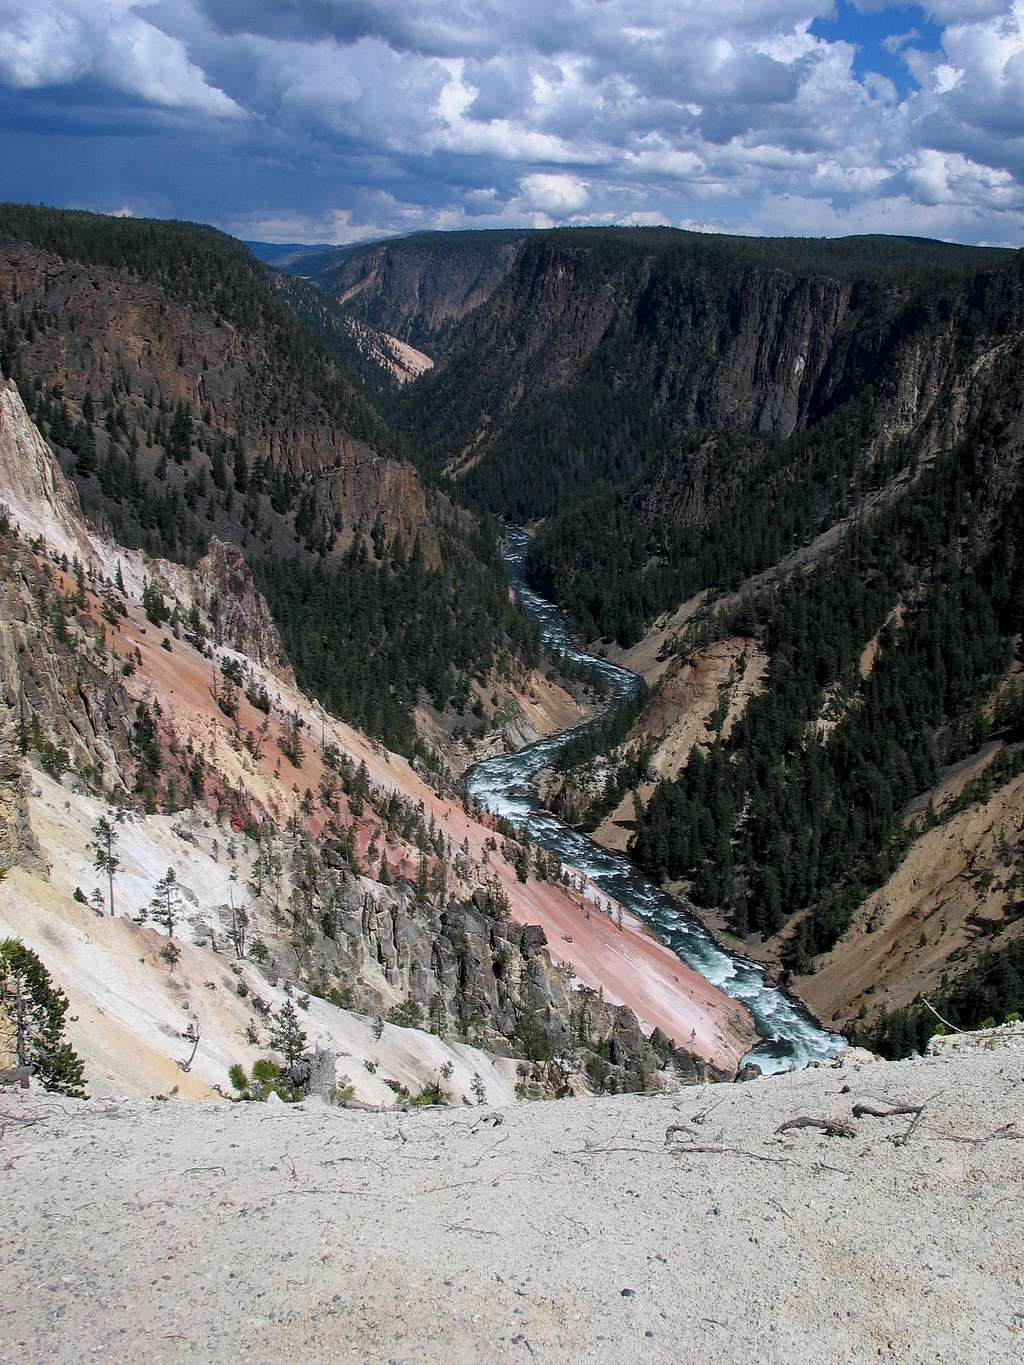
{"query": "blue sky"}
[(335, 120), (875, 34)]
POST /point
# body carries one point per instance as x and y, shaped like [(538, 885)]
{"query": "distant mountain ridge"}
[(191, 392), (284, 254)]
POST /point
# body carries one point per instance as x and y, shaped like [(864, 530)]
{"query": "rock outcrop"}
[(35, 491)]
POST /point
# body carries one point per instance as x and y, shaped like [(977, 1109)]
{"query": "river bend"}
[(505, 786)]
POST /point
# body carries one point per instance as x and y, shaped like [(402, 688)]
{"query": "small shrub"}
[(54, 757), (409, 1014), (433, 1095)]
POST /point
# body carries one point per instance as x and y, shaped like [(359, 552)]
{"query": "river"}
[(504, 786)]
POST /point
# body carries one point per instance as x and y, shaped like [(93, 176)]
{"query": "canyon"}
[(517, 948), (467, 701)]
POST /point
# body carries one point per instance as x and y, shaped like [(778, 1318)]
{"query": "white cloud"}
[(54, 42), (558, 195), (896, 41), (370, 117)]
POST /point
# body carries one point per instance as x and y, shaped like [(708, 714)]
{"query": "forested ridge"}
[(822, 814), (789, 819), (189, 391), (370, 638), (602, 348)]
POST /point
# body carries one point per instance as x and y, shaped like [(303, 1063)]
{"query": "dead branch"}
[(735, 1151), (703, 1115), (830, 1127), (893, 1110), (678, 1128), (1008, 1130), (191, 1035), (869, 1111), (682, 1149), (939, 1017)]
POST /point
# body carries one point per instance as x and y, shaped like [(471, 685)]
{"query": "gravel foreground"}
[(563, 1231)]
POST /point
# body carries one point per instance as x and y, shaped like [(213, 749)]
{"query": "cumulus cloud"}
[(55, 42), (558, 195), (336, 119)]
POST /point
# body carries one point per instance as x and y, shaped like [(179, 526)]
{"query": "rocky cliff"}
[(417, 288), (98, 331), (655, 336)]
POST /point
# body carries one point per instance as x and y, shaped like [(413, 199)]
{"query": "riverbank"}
[(535, 1233)]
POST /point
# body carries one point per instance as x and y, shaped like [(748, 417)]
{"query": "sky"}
[(339, 120)]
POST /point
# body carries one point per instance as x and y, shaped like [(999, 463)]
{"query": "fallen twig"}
[(702, 1115), (734, 1151), (831, 1127), (869, 1111), (939, 1017), (678, 1128), (1008, 1130)]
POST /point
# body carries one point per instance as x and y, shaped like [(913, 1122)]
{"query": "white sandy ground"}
[(185, 1232)]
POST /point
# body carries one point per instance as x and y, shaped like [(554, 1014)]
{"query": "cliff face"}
[(417, 289), (720, 343), (35, 491)]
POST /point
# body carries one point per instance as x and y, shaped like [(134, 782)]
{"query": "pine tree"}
[(105, 858), (286, 1033), (32, 1011), (165, 907)]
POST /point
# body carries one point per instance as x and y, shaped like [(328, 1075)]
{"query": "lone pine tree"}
[(32, 1011)]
